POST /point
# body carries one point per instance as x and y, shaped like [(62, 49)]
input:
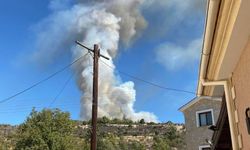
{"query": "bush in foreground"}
[(47, 130)]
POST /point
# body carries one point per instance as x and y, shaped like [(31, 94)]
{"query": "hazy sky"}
[(165, 51)]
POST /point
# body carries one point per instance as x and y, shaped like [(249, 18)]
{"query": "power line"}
[(24, 109), (21, 107), (148, 82), (62, 89), (39, 82), (38, 106), (67, 66)]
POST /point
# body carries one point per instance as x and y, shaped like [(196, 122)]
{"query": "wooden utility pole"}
[(95, 97), (97, 54)]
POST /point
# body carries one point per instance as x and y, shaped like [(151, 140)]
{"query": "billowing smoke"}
[(107, 23)]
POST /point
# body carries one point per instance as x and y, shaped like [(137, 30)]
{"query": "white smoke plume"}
[(107, 23)]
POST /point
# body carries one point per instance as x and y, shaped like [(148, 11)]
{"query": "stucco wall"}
[(241, 81), (196, 136)]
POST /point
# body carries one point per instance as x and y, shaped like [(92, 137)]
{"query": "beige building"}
[(200, 113), (225, 70)]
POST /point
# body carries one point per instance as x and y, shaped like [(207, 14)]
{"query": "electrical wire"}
[(61, 91), (41, 81), (25, 109), (64, 86), (148, 82), (67, 81), (16, 108)]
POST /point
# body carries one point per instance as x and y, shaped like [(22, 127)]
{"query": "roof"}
[(197, 99)]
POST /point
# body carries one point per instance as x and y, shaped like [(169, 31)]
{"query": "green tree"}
[(114, 142), (136, 146), (172, 138), (176, 138), (108, 142), (160, 144), (103, 120), (46, 130), (142, 121)]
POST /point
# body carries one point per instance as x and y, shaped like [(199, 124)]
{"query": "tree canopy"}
[(46, 130), (52, 129)]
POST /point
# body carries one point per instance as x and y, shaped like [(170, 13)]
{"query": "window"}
[(204, 147), (204, 118)]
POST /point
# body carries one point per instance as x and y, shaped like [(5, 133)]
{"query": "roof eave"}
[(212, 12)]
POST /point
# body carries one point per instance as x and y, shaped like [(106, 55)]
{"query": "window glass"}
[(209, 118), (205, 118)]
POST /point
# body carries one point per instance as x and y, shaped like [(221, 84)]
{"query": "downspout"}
[(228, 98)]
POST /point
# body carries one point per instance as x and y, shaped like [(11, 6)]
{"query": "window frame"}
[(204, 146), (204, 111)]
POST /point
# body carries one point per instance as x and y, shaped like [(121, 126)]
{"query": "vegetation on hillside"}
[(54, 130)]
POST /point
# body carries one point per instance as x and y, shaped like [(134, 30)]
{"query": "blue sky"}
[(166, 52)]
